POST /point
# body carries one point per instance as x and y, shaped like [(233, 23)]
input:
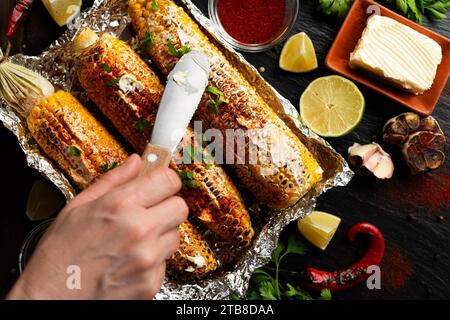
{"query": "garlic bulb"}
[(20, 87)]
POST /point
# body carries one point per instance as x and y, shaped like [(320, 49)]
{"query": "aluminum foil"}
[(237, 264)]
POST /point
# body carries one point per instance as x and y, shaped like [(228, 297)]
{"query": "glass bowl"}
[(290, 16), (30, 243)]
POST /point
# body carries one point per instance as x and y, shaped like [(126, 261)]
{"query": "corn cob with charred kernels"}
[(194, 255), (209, 192), (74, 139), (231, 103)]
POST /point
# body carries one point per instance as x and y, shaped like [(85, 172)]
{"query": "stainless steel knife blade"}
[(185, 86)]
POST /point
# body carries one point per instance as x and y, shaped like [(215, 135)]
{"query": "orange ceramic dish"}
[(347, 38)]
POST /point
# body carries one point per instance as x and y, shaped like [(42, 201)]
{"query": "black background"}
[(417, 239)]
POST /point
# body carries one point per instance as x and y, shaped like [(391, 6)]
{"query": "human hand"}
[(118, 232)]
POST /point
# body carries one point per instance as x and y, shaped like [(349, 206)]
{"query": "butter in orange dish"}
[(397, 54)]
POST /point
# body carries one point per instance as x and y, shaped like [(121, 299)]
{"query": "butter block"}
[(397, 54)]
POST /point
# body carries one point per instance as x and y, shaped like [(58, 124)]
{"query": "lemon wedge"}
[(298, 54), (319, 228), (63, 11), (332, 106)]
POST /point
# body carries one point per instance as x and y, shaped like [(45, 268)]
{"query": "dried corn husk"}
[(21, 87)]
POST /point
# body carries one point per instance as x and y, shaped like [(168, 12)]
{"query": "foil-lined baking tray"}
[(238, 264)]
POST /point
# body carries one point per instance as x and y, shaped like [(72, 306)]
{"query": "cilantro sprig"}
[(154, 5), (113, 82), (148, 42), (187, 179), (106, 67), (265, 286), (412, 9), (108, 167), (220, 99), (174, 51), (196, 152), (74, 151), (142, 125)]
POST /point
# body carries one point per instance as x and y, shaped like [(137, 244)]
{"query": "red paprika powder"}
[(252, 21)]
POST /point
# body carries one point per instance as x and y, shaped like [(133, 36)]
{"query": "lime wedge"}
[(319, 228), (331, 106), (63, 11), (298, 54)]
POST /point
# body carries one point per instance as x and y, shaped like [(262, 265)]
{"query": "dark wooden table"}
[(411, 211)]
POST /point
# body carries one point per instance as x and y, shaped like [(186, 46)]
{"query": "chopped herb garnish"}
[(74, 151), (106, 67), (169, 66), (113, 82), (32, 142), (187, 178), (213, 105), (220, 99), (214, 91), (106, 167), (147, 43), (142, 125), (154, 5), (174, 52)]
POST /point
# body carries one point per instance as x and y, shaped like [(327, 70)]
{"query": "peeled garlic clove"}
[(373, 158)]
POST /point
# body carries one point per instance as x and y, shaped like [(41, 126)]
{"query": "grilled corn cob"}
[(278, 184), (73, 138), (193, 255), (209, 192)]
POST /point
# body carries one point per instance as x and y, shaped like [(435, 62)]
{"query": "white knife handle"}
[(155, 157)]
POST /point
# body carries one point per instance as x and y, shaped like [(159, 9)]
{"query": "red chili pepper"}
[(19, 12), (316, 280)]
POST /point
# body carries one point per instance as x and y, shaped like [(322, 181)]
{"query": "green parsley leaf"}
[(154, 5), (106, 67), (297, 293), (192, 184), (169, 66), (174, 52), (253, 294), (185, 50), (295, 245), (214, 91), (325, 294), (267, 290), (32, 142), (148, 42), (234, 296), (106, 167), (261, 276), (277, 252), (113, 82), (213, 105), (74, 151), (187, 179), (142, 125)]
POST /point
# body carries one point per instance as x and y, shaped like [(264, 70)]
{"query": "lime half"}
[(331, 106)]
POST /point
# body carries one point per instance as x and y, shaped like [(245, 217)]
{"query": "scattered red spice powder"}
[(430, 190), (395, 268), (252, 21)]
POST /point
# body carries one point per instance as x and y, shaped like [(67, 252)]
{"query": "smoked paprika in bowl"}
[(253, 25)]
